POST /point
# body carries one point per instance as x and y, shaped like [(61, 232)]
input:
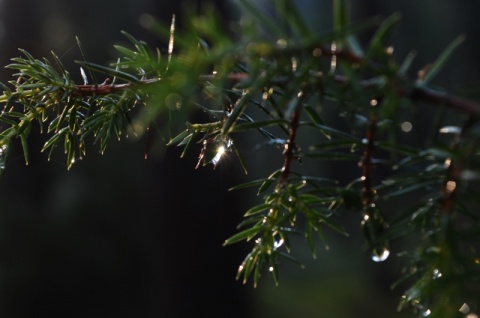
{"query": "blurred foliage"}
[(278, 78)]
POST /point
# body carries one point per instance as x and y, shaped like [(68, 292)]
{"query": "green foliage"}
[(280, 79)]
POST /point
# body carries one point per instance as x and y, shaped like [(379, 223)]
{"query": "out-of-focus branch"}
[(417, 93)]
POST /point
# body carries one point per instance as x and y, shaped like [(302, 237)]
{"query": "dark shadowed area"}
[(120, 236)]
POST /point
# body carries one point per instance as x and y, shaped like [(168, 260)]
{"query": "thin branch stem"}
[(417, 93), (291, 146), (366, 164)]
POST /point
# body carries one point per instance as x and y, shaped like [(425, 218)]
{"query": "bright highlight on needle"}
[(218, 156)]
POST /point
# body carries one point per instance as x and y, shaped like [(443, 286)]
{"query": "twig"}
[(417, 93), (291, 146), (366, 164)]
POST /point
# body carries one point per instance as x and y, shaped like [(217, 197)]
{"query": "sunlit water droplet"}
[(426, 313), (277, 244), (380, 256), (450, 130), (3, 151), (220, 152), (271, 268), (406, 126), (436, 274), (464, 309)]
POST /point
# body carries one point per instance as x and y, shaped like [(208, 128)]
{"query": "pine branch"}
[(417, 93)]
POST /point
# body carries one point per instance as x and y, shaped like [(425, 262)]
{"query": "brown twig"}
[(291, 146), (417, 93)]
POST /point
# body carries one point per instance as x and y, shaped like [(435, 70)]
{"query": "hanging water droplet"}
[(380, 255), (426, 313), (271, 269), (464, 309)]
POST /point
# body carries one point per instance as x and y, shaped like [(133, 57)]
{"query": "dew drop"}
[(464, 309), (450, 130), (282, 43), (406, 126), (317, 52), (436, 274), (426, 313), (3, 151), (220, 152), (270, 269), (380, 255), (450, 186), (278, 244)]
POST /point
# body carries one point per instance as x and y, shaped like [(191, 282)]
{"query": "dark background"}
[(120, 236)]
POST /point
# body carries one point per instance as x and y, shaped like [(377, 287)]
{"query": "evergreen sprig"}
[(280, 81)]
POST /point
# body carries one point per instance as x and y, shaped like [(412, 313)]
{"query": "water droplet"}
[(448, 162), (317, 52), (3, 152), (271, 269), (406, 126), (464, 309), (450, 186), (426, 313), (277, 244), (380, 255), (436, 274), (218, 156), (282, 43), (450, 130)]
